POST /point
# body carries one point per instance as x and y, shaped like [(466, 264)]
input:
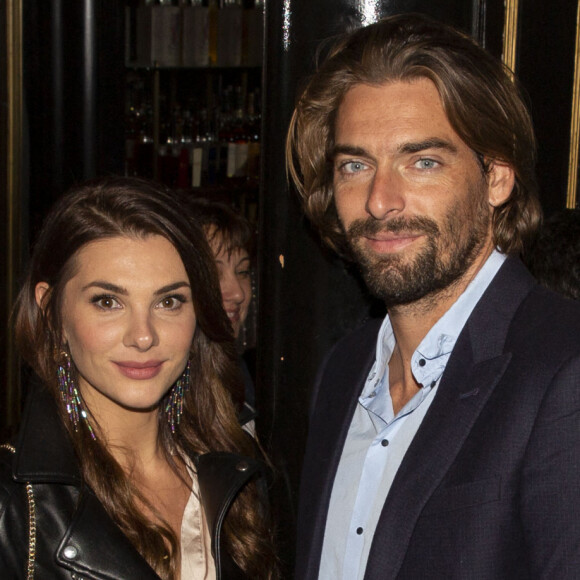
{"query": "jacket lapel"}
[(104, 554), (44, 453), (221, 476), (474, 369), (344, 380)]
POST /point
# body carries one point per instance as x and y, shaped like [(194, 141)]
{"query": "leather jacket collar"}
[(44, 455)]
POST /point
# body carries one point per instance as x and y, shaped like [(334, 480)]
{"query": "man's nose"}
[(386, 195)]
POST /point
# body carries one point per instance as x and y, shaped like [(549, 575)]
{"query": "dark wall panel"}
[(546, 51), (74, 94)]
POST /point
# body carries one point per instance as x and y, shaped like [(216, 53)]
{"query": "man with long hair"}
[(445, 439)]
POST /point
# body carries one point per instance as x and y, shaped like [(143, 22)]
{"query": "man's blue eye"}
[(426, 163), (353, 166)]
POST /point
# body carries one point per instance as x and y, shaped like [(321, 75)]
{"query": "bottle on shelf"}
[(229, 33), (188, 123), (195, 33), (158, 31)]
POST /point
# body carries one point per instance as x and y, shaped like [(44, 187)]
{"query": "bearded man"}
[(445, 439)]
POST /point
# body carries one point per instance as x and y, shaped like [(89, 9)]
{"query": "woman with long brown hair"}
[(130, 462)]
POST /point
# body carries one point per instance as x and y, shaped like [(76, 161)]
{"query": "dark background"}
[(74, 91)]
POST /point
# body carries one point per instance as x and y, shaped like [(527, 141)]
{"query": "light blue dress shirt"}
[(377, 440)]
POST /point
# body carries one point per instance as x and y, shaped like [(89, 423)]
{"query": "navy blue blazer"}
[(489, 488)]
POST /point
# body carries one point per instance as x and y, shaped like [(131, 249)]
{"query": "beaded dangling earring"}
[(174, 406), (70, 395)]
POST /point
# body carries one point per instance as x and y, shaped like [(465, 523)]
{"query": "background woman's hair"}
[(222, 224), (113, 207)]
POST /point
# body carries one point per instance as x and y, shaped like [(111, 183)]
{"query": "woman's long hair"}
[(129, 207)]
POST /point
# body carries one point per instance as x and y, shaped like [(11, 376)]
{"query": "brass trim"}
[(31, 522), (31, 532), (574, 123), (13, 191), (510, 34)]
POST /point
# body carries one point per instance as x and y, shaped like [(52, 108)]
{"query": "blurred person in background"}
[(231, 238), (555, 257)]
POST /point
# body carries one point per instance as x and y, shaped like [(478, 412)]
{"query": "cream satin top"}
[(196, 560)]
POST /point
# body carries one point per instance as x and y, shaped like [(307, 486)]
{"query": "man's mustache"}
[(414, 225)]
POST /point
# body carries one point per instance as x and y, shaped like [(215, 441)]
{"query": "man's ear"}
[(40, 293), (500, 182)]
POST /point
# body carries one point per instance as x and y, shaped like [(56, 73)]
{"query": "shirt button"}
[(70, 553), (359, 531), (384, 442), (242, 466), (422, 362)]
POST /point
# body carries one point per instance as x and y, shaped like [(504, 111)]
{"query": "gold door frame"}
[(571, 197), (509, 55), (10, 406), (510, 34)]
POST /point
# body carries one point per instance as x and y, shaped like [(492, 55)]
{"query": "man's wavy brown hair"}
[(130, 207), (482, 101)]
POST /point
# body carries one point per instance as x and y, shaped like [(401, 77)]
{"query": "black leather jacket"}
[(74, 536)]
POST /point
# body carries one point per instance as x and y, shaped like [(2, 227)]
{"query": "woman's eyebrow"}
[(106, 286), (172, 287)]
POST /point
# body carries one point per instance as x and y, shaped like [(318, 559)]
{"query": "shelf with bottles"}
[(192, 126), (194, 33), (194, 129)]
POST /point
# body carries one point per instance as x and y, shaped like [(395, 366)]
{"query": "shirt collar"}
[(429, 360)]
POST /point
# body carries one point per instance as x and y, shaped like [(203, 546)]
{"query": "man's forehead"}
[(397, 106)]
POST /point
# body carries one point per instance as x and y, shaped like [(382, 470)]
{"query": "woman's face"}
[(235, 283), (128, 321)]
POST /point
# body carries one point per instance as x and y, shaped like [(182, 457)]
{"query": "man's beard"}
[(446, 256)]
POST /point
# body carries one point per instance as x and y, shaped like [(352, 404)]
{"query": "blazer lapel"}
[(342, 380), (430, 455), (474, 369)]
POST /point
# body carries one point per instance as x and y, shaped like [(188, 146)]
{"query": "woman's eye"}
[(106, 302), (243, 273), (172, 302), (426, 164)]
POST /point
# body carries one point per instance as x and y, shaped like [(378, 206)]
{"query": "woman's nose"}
[(141, 332), (231, 288)]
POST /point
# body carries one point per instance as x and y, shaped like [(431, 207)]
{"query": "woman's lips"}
[(140, 371)]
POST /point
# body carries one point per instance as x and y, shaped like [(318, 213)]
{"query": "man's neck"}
[(412, 322)]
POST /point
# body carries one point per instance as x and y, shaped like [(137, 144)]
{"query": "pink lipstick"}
[(140, 371)]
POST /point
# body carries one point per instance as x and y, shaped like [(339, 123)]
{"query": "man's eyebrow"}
[(432, 143), (411, 147), (348, 150)]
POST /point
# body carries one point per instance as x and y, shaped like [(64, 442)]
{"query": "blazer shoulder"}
[(357, 340), (347, 359), (549, 321)]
